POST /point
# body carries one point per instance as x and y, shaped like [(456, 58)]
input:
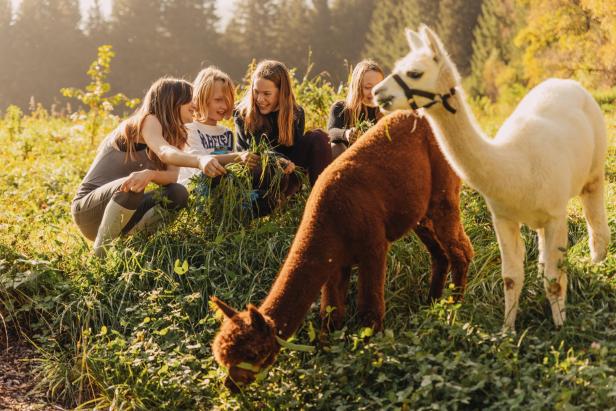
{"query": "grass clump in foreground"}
[(134, 331)]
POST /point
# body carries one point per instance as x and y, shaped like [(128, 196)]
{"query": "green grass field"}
[(134, 332)]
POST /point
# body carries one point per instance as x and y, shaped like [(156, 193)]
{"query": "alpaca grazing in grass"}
[(553, 147), (392, 180)]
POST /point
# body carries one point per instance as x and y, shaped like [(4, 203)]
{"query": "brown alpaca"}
[(392, 180)]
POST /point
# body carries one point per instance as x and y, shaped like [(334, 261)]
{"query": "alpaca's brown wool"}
[(392, 180)]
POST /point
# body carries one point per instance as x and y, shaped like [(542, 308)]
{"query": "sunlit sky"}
[(224, 7)]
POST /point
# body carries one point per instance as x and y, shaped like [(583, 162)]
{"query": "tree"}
[(495, 60), (569, 39), (249, 33), (351, 23), (456, 22), (386, 41), (137, 35), (45, 36), (189, 36), (6, 15), (293, 33)]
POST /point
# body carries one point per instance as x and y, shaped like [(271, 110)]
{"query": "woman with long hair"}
[(145, 148), (213, 97), (351, 116), (269, 111)]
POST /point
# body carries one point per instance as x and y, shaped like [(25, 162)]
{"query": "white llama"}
[(553, 147)]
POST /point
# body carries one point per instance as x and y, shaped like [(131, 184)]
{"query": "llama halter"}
[(434, 98)]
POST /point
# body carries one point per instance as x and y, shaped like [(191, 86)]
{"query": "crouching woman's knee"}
[(176, 196)]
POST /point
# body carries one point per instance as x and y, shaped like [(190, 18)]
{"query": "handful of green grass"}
[(229, 200)]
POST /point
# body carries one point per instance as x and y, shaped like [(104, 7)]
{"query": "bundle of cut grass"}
[(234, 199)]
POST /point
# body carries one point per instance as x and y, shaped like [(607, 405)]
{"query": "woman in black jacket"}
[(348, 118), (269, 111)]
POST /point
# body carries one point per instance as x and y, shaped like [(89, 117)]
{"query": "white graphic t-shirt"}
[(204, 139)]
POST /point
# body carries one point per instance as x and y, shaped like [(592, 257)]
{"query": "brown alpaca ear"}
[(256, 318), (226, 309)]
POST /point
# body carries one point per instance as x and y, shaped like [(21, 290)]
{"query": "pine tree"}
[(47, 45), (6, 15), (249, 33), (386, 41), (6, 68), (323, 40), (96, 27), (495, 57), (457, 19), (189, 36), (351, 23), (293, 34), (136, 37)]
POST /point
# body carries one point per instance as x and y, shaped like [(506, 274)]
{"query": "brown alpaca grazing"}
[(392, 180)]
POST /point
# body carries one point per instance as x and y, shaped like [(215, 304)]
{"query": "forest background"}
[(134, 331), (498, 44)]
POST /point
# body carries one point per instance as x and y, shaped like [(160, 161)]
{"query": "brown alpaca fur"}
[(392, 180)]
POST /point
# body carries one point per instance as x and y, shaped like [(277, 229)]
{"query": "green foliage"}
[(567, 38), (12, 121), (456, 22), (134, 331), (496, 62), (95, 94)]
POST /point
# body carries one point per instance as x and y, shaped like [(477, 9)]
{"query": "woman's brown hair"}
[(277, 73), (353, 103), (163, 100), (204, 87)]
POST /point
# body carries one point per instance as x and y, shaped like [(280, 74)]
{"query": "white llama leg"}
[(512, 260), (555, 278), (593, 204), (541, 246)]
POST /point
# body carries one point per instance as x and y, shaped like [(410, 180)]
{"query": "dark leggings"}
[(313, 153), (88, 211)]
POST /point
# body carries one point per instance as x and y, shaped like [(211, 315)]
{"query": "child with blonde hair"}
[(213, 98)]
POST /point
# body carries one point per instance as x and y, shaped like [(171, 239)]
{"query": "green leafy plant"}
[(12, 120)]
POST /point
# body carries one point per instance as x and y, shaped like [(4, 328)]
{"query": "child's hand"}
[(210, 166), (250, 159), (287, 165)]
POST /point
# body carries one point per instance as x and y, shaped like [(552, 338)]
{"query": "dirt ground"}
[(16, 377)]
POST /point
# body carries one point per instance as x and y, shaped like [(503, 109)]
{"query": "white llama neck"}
[(474, 158)]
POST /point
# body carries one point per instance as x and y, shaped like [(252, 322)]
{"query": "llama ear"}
[(414, 40), (226, 309), (256, 318), (431, 40)]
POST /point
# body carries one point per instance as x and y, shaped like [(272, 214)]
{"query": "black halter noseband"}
[(410, 94)]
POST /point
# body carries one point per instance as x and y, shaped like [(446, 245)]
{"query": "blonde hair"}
[(163, 100), (204, 87), (277, 73), (353, 103)]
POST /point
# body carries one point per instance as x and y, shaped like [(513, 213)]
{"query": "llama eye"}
[(414, 74)]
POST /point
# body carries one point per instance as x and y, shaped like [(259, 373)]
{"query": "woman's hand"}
[(210, 166), (287, 165), (250, 159), (137, 181), (351, 135)]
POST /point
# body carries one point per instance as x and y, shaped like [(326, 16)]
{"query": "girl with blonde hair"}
[(358, 107), (146, 148), (213, 98)]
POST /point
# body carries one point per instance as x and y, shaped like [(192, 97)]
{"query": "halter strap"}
[(434, 98)]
